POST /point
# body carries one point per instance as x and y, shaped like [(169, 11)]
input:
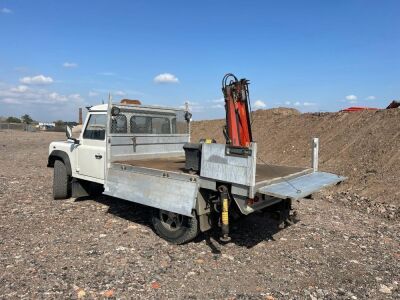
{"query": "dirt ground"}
[(345, 246)]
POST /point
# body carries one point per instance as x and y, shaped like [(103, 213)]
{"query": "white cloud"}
[(299, 103), (70, 65), (219, 106), (166, 78), (259, 104), (351, 98), (107, 73), (370, 98), (6, 10), (194, 107), (24, 95), (11, 101), (42, 104), (220, 100), (21, 69), (75, 97), (120, 93), (57, 97), (93, 94), (39, 79), (19, 89)]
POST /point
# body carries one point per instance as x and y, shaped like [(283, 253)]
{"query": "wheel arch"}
[(59, 155)]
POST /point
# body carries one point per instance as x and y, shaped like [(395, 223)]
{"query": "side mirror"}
[(115, 111), (68, 133)]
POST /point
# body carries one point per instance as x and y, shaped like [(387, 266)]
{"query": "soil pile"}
[(363, 146)]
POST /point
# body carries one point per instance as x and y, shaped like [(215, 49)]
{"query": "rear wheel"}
[(61, 181), (173, 227)]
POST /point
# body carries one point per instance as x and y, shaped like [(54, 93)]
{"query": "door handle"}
[(98, 156)]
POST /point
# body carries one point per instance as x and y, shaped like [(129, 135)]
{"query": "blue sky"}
[(312, 55)]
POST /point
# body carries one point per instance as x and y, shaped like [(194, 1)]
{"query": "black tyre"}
[(175, 228), (61, 181)]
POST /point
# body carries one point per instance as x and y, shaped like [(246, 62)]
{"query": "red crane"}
[(237, 105)]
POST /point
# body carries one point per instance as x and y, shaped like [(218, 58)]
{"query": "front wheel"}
[(175, 228), (61, 181)]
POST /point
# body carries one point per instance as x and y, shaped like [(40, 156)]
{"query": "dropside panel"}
[(177, 195)]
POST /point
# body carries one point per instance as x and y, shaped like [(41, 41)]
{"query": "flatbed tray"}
[(177, 164)]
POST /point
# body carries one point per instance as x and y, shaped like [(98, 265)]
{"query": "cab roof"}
[(104, 107), (99, 107)]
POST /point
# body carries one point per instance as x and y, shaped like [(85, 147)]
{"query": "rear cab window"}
[(150, 125)]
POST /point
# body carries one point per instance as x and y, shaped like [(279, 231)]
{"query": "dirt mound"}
[(364, 146), (281, 111)]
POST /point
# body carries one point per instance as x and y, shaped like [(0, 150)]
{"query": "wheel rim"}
[(171, 221)]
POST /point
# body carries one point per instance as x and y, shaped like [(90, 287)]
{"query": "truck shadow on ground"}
[(247, 231)]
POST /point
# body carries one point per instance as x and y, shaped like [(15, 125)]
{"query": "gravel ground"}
[(105, 247)]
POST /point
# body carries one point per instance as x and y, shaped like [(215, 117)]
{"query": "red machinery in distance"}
[(237, 105)]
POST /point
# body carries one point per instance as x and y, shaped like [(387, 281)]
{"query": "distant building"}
[(46, 126)]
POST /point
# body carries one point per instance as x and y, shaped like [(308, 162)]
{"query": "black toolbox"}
[(192, 157)]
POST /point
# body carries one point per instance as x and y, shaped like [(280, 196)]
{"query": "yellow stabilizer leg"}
[(224, 213)]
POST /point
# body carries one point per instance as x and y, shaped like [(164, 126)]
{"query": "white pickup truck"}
[(143, 154)]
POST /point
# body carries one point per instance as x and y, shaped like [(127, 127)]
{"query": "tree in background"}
[(59, 123), (71, 124), (13, 120), (27, 119)]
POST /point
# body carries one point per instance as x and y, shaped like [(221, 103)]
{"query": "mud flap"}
[(300, 187)]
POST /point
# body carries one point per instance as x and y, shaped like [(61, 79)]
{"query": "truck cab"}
[(85, 157)]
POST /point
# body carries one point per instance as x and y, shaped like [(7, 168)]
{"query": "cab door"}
[(92, 148)]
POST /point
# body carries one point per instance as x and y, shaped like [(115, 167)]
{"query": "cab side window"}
[(160, 125), (96, 127), (140, 124)]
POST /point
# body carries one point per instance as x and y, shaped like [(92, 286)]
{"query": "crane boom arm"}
[(238, 126)]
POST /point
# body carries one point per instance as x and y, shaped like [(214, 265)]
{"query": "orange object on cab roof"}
[(129, 101)]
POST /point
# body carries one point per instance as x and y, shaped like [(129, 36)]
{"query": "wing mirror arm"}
[(68, 133)]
